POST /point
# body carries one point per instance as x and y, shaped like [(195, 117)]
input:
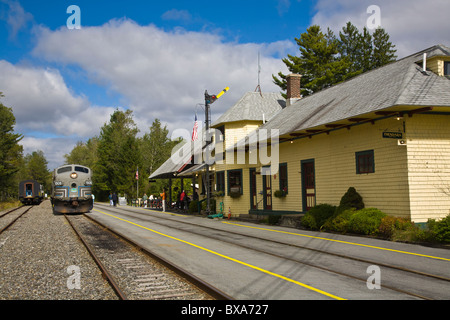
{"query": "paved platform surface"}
[(266, 265)]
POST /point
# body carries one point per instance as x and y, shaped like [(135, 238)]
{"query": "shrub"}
[(309, 222), (316, 216), (193, 206), (340, 221), (212, 205), (351, 199), (366, 221), (392, 225), (441, 230)]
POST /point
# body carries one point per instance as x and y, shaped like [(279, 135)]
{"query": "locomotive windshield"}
[(69, 168), (82, 169), (64, 169)]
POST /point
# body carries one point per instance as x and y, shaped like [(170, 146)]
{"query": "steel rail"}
[(15, 219), (199, 283), (9, 211), (102, 268)]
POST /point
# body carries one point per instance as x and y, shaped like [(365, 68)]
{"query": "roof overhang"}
[(398, 112)]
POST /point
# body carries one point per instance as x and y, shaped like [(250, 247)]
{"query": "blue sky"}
[(158, 58)]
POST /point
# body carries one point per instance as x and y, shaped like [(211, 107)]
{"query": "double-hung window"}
[(235, 182), (282, 172), (365, 162), (220, 181)]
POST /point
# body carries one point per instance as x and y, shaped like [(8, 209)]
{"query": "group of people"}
[(113, 199), (181, 204), (182, 200)]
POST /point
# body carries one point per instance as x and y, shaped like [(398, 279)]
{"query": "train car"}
[(30, 192), (72, 189)]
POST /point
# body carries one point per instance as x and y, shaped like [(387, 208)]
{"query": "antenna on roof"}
[(258, 87)]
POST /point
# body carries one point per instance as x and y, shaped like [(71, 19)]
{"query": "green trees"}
[(326, 60), (118, 155), (155, 148), (84, 153), (118, 152), (318, 62), (35, 167), (14, 167), (10, 152)]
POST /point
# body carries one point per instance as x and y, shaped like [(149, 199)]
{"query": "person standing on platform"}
[(163, 198), (144, 199), (183, 200), (114, 199)]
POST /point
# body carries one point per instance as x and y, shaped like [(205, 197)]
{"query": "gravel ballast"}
[(39, 259)]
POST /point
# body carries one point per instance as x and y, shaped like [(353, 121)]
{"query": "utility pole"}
[(208, 101)]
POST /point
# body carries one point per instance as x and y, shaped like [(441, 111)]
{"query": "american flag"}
[(194, 130), (137, 174)]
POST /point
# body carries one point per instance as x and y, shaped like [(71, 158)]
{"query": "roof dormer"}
[(437, 60)]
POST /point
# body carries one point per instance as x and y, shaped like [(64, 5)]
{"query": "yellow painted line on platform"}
[(227, 257), (340, 241)]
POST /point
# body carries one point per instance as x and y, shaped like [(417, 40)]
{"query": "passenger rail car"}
[(30, 192), (72, 189)]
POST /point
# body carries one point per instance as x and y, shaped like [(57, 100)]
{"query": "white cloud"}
[(48, 114), (175, 14), (41, 101), (163, 74), (412, 24), (54, 148), (16, 17), (283, 6)]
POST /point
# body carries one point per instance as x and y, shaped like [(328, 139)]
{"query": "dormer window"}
[(220, 134), (447, 68)]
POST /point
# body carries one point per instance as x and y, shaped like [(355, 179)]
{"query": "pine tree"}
[(350, 47), (383, 49), (118, 156), (318, 62), (325, 60), (10, 152), (366, 51), (155, 148), (35, 167)]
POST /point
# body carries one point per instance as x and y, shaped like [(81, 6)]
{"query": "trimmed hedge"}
[(365, 221)]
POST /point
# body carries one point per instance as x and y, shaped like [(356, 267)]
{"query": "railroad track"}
[(6, 223), (266, 243), (135, 273)]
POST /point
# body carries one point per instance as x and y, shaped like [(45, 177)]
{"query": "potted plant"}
[(235, 192), (280, 193), (218, 193)]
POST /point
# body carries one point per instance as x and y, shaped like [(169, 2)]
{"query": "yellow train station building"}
[(385, 132)]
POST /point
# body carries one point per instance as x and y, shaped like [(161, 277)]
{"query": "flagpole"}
[(137, 183)]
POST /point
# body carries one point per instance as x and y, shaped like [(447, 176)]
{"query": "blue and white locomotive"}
[(72, 189)]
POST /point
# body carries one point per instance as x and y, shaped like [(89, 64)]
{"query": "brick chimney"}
[(293, 88)]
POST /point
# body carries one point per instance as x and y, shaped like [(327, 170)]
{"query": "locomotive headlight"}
[(58, 183), (73, 175)]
